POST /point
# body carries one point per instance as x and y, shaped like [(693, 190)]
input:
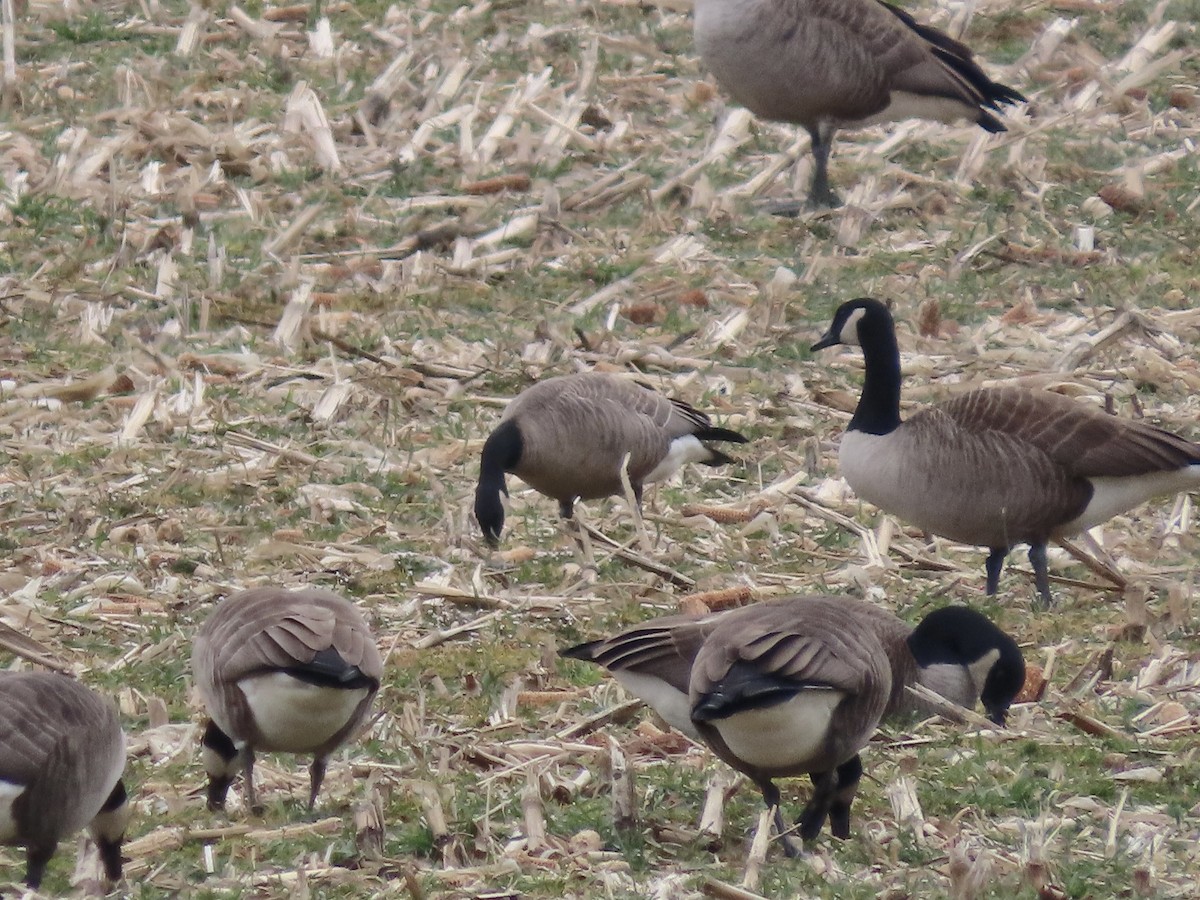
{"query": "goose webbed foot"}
[(791, 207), (822, 197)]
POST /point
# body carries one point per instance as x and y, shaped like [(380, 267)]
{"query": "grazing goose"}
[(279, 670), (829, 64), (566, 437), (798, 685), (62, 752), (997, 466)]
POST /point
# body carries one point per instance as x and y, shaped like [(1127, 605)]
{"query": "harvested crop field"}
[(268, 274)]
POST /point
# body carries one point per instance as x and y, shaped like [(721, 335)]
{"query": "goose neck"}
[(878, 410)]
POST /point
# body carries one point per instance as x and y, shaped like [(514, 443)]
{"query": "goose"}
[(1000, 466), (830, 64), (286, 671), (62, 753), (799, 684), (567, 438)]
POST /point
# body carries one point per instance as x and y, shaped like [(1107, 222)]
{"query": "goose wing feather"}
[(268, 628), (885, 49), (576, 429), (951, 472), (807, 640), (664, 648), (39, 710), (1084, 441), (65, 742)]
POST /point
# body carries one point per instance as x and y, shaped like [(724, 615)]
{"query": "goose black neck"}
[(501, 454), (878, 410)]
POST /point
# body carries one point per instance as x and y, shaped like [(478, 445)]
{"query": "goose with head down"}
[(798, 685), (568, 437), (62, 753), (279, 670)]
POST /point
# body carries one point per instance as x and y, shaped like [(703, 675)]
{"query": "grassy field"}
[(263, 294)]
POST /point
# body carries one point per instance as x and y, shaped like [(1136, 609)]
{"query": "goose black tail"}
[(586, 652), (721, 434)]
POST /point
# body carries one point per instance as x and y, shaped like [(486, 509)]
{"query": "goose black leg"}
[(812, 820), (993, 567), (1041, 574), (849, 774), (772, 798), (316, 774), (251, 797), (578, 534), (821, 196), (36, 859)]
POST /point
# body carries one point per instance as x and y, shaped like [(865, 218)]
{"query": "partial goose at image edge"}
[(832, 64)]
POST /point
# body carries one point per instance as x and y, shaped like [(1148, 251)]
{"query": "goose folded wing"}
[(27, 738), (770, 667), (1084, 440)]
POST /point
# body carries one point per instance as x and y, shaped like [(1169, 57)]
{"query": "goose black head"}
[(501, 453), (956, 635), (849, 320)]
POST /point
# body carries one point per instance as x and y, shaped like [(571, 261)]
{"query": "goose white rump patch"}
[(784, 735), (295, 716), (904, 105), (9, 792), (669, 703), (682, 450), (1113, 496)]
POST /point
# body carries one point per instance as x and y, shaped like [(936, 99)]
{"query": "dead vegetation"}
[(268, 274)]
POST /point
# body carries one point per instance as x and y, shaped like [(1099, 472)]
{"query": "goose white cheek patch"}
[(849, 332), (217, 767), (110, 826)]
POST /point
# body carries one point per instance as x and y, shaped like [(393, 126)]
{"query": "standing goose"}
[(829, 64), (566, 437), (798, 685), (286, 671), (62, 752), (997, 466)]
